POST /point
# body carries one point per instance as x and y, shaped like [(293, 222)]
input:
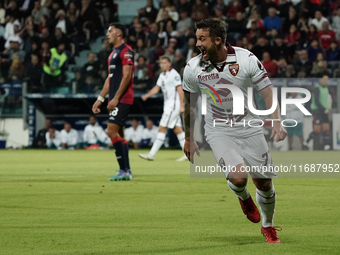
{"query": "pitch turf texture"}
[(60, 202)]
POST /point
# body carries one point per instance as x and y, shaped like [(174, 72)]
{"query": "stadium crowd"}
[(40, 40)]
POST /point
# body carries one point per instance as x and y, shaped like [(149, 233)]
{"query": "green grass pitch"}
[(60, 202)]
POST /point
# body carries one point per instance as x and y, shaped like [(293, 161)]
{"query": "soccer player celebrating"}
[(170, 83), (118, 85), (238, 146)]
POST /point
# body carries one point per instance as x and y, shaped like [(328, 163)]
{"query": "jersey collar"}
[(231, 58)]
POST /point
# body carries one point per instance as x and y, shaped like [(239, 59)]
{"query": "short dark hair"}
[(121, 27), (216, 28)]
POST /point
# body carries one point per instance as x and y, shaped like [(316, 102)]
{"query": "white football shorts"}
[(170, 119), (253, 151)]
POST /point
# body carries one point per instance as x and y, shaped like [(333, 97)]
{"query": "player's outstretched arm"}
[(102, 95), (152, 92), (181, 95), (279, 130), (190, 146)]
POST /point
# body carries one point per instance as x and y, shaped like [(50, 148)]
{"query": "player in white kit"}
[(170, 82), (212, 74)]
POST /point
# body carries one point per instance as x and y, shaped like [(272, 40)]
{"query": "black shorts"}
[(319, 117), (119, 114)]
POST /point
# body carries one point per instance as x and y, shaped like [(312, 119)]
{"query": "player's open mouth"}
[(204, 53)]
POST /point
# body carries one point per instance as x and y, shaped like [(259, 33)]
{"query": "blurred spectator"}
[(184, 5), (165, 7), (135, 34), (314, 49), (236, 28), (302, 63), (149, 12), (12, 9), (326, 36), (260, 48), (154, 42), (34, 75), (333, 55), (265, 6), (281, 66), (250, 8), (319, 65), (38, 12), (318, 20), (45, 35), (219, 14), (140, 49), (104, 54), (179, 62), (69, 137), (14, 48), (9, 28), (44, 54), (269, 65), (289, 72), (72, 10), (43, 23), (184, 22), (141, 79), (279, 49), (284, 9), (191, 48), (255, 17), (91, 68), (292, 19), (219, 5), (54, 68), (16, 70), (254, 33), (233, 8), (325, 8), (272, 20), (40, 139), (133, 134), (173, 14), (59, 38), (199, 11), (53, 138), (292, 40), (76, 34), (4, 66), (149, 134), (106, 9), (271, 35), (336, 23), (245, 44), (89, 18), (94, 135), (61, 21)]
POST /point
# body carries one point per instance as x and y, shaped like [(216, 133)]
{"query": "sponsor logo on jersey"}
[(233, 69), (221, 162), (208, 77), (127, 55)]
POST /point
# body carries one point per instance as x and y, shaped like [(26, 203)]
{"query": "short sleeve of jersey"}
[(159, 81), (126, 55), (189, 83), (176, 81), (258, 74)]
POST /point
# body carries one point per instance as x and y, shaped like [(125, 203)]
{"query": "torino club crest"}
[(233, 69)]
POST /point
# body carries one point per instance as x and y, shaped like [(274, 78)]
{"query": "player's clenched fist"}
[(190, 147), (96, 107)]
